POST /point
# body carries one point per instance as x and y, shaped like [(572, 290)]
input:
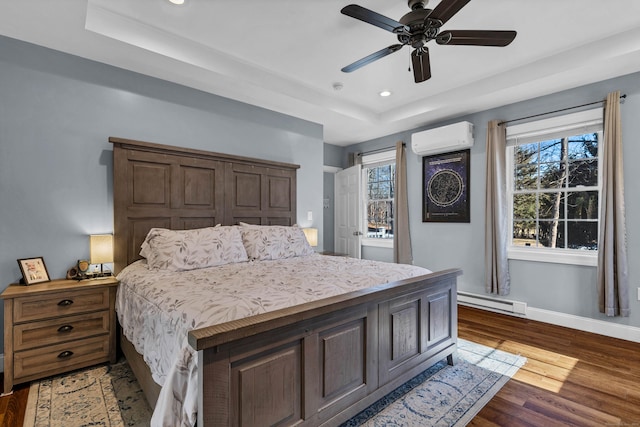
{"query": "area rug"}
[(443, 395), (105, 395)]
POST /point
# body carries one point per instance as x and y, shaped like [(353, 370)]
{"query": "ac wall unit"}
[(457, 136)]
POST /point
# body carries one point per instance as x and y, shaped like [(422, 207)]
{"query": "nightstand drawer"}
[(60, 304), (54, 331), (45, 361)]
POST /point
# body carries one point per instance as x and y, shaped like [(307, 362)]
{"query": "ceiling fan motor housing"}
[(421, 29)]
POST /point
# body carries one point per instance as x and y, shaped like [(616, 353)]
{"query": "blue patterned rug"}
[(443, 395)]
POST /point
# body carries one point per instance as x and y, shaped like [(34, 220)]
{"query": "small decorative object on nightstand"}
[(57, 326)]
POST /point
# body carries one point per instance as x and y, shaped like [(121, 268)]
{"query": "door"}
[(348, 232)]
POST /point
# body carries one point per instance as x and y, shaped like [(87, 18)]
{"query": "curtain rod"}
[(379, 150), (557, 111)]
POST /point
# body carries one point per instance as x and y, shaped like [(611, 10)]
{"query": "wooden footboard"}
[(323, 362)]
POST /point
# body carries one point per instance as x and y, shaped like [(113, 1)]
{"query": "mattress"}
[(157, 309)]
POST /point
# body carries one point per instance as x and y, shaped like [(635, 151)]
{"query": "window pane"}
[(583, 146), (583, 172), (526, 154), (582, 205), (552, 175), (384, 190), (551, 151), (524, 206), (583, 235), (373, 190), (524, 233), (526, 177), (551, 234), (379, 219), (551, 205)]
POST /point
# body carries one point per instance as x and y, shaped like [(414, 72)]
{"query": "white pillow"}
[(264, 242), (181, 250)]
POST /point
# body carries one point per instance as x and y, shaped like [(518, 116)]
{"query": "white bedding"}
[(157, 309)]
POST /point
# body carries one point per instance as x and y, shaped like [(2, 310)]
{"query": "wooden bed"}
[(314, 364)]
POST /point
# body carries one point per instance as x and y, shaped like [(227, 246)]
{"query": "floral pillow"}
[(181, 250), (264, 242)]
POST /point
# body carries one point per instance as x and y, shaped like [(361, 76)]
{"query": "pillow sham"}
[(271, 242), (182, 250)]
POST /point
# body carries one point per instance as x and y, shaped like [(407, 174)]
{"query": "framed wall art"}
[(445, 187), (33, 270)]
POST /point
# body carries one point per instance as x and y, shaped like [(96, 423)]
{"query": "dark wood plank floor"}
[(13, 406), (571, 378)]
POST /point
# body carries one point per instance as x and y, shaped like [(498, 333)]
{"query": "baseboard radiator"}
[(493, 304)]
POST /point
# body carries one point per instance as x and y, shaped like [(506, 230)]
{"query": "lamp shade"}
[(312, 235), (101, 248)]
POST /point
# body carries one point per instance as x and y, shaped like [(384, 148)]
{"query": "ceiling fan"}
[(420, 26)]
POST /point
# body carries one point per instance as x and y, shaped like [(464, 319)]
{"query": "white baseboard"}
[(586, 324), (615, 330)]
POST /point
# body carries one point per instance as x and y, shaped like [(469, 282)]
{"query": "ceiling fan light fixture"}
[(385, 93), (178, 2)]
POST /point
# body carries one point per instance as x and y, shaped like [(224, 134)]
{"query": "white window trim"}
[(577, 121), (368, 160)]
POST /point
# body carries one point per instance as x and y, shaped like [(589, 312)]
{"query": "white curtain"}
[(613, 280), (402, 253), (497, 279)]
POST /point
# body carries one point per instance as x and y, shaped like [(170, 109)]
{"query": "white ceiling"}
[(286, 55)]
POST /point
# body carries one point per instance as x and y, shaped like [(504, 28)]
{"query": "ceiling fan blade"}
[(373, 57), (446, 9), (374, 18), (476, 37), (421, 64)]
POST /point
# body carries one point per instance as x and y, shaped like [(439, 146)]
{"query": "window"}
[(379, 177), (554, 188)]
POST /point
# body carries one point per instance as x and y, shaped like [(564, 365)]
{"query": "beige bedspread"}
[(156, 309)]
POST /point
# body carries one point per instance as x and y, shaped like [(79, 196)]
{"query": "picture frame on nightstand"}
[(33, 270)]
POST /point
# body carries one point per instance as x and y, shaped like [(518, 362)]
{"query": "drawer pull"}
[(65, 302), (65, 328), (65, 354)]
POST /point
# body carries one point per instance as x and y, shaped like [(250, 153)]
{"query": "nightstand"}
[(57, 326)]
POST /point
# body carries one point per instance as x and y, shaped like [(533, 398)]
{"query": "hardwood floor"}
[(571, 378), (13, 406)]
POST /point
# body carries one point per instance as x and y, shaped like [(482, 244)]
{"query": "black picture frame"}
[(445, 187), (33, 270)]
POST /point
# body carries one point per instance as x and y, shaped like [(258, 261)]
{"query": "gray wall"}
[(56, 113), (556, 287)]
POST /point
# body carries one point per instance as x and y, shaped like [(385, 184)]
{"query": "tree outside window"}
[(555, 193)]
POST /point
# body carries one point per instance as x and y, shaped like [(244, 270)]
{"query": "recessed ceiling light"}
[(385, 93), (177, 1)]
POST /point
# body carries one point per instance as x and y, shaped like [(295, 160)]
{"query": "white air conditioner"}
[(457, 136)]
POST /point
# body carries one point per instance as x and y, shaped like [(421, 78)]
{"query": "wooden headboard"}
[(163, 186)]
